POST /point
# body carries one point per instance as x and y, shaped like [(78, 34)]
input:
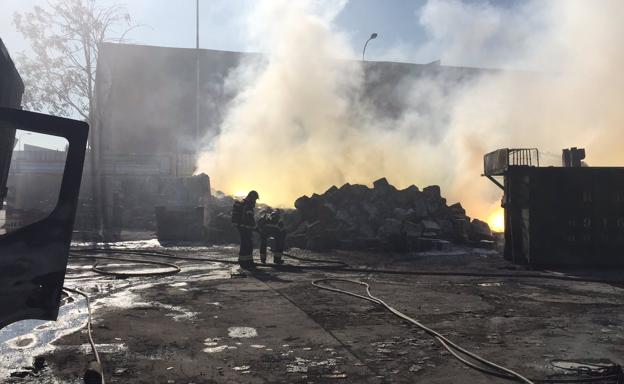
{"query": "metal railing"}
[(523, 156), (496, 163)]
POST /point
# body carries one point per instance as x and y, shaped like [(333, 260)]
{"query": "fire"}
[(240, 193), (496, 220)]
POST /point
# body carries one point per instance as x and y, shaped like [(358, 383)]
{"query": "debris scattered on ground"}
[(242, 332)]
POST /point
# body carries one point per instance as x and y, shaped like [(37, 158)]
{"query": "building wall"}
[(146, 95), (132, 184)]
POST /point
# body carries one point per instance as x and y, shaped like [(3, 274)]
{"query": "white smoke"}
[(478, 34), (574, 100), (300, 122)]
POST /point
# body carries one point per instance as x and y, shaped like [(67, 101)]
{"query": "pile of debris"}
[(220, 229), (358, 217)]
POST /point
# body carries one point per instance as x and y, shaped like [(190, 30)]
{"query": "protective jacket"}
[(270, 224), (248, 220)]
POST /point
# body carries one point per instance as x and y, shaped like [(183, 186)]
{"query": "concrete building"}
[(146, 96)]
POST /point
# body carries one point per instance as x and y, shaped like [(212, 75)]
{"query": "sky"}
[(172, 23), (407, 30), (223, 26)]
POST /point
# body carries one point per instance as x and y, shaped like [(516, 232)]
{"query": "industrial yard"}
[(207, 324), (280, 191)]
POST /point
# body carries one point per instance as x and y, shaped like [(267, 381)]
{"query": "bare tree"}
[(59, 73), (65, 38)]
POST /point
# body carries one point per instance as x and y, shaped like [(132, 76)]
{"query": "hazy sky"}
[(418, 31), (172, 23)]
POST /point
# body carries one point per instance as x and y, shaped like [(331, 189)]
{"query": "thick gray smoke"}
[(300, 122)]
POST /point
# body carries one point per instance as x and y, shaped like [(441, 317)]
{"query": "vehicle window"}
[(33, 181)]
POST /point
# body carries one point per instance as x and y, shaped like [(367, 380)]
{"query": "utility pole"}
[(197, 130)]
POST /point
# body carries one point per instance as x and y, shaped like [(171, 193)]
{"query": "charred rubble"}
[(355, 216)]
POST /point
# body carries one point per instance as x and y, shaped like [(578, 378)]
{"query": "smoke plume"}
[(301, 122)]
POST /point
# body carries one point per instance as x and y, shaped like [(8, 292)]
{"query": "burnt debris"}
[(355, 216)]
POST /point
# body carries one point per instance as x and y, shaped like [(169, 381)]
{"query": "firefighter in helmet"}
[(243, 218), (270, 224)]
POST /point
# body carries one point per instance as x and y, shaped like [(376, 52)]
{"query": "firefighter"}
[(270, 224), (243, 218)]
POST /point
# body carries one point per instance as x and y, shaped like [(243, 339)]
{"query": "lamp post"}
[(372, 37)]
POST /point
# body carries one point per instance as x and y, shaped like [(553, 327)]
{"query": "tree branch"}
[(65, 37)]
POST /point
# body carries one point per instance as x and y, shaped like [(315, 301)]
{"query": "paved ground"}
[(204, 325)]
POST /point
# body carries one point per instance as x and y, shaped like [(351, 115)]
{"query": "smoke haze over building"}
[(300, 123)]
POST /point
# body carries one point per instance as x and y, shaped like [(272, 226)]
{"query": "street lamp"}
[(372, 37)]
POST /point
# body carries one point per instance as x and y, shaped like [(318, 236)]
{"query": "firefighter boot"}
[(247, 264)]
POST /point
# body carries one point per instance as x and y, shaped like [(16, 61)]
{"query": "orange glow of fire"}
[(496, 220)]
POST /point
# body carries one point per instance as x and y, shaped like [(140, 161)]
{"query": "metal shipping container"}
[(560, 216)]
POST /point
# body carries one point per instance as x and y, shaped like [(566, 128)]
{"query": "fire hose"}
[(97, 269), (93, 253), (94, 372), (461, 354), (328, 265), (464, 356)]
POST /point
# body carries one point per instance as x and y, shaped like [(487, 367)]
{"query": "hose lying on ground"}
[(457, 351), (95, 254), (339, 266), (96, 268), (75, 252), (98, 369), (326, 265)]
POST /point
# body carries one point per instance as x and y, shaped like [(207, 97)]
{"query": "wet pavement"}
[(209, 325)]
